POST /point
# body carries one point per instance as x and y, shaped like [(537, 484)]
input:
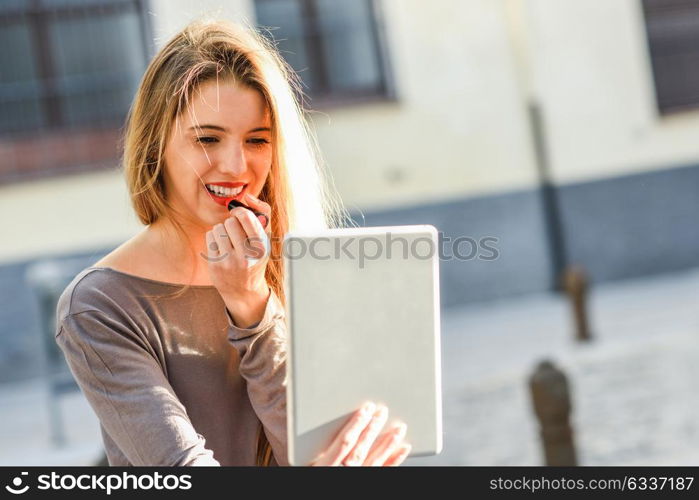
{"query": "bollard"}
[(551, 401), (575, 284)]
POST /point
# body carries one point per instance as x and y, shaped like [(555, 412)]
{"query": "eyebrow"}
[(224, 129)]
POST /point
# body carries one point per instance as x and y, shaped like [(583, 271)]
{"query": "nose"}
[(233, 161)]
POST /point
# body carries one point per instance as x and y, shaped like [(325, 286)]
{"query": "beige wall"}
[(73, 213), (459, 128), (592, 74)]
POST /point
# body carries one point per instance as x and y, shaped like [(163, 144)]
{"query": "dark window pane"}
[(332, 44), (284, 18), (98, 61), (673, 38), (19, 88), (71, 63), (349, 48), (97, 44), (12, 5), (16, 59), (68, 71)]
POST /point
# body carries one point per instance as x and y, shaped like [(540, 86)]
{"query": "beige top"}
[(173, 381)]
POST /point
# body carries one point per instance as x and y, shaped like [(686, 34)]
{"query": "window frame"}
[(328, 97), (57, 148), (38, 18)]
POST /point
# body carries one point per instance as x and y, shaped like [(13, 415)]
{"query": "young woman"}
[(177, 338)]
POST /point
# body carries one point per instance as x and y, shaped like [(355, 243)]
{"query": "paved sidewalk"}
[(25, 436), (635, 395), (634, 388)]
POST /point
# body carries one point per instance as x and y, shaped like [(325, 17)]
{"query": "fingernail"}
[(368, 408), (400, 429), (381, 412)]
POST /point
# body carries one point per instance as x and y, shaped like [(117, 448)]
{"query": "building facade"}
[(564, 129)]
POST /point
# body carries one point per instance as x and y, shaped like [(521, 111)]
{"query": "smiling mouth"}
[(223, 195)]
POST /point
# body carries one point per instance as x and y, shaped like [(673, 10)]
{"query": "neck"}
[(176, 251)]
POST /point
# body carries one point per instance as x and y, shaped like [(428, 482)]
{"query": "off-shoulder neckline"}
[(141, 278)]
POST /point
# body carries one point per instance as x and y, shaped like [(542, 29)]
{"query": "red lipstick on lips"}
[(223, 200), (230, 202)]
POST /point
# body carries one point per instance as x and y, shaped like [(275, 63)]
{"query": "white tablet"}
[(363, 316)]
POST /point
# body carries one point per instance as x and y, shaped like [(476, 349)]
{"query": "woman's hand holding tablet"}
[(359, 442)]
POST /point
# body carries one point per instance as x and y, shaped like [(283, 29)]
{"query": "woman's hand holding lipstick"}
[(231, 246)]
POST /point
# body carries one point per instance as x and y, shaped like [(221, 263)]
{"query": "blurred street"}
[(635, 398), (634, 390), (25, 433)]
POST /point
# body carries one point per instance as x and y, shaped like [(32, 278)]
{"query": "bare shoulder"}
[(127, 257), (138, 256)]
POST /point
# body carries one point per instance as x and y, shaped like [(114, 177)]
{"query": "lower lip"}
[(224, 200)]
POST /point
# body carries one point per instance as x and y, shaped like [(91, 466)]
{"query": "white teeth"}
[(223, 191)]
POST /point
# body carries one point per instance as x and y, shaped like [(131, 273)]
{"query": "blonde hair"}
[(297, 188)]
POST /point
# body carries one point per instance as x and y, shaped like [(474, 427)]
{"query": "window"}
[(335, 46), (69, 71), (673, 39)]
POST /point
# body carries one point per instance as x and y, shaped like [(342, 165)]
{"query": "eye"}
[(207, 140), (258, 142)]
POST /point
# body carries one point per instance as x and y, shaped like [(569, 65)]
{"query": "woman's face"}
[(222, 141)]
